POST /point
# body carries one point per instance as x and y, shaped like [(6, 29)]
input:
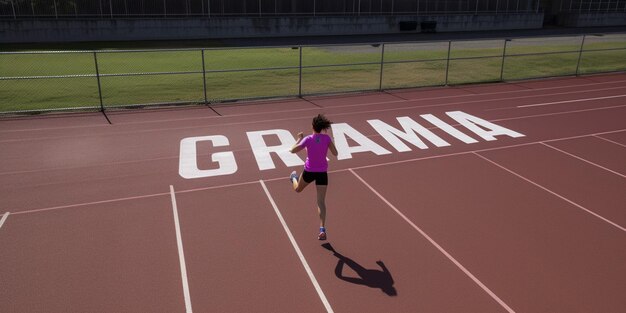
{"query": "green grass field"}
[(140, 77)]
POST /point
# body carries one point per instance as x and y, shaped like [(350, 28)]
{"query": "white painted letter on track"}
[(448, 128), (188, 162), (482, 128), (409, 133), (262, 152), (341, 130)]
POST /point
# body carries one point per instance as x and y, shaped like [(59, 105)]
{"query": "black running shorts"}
[(320, 178)]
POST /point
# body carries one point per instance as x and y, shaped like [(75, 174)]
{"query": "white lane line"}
[(584, 160), (369, 136), (467, 152), (4, 218), (611, 141), (181, 254), (298, 118), (569, 101), (534, 90), (553, 193), (90, 203), (333, 171), (298, 251), (434, 243), (556, 113), (553, 94)]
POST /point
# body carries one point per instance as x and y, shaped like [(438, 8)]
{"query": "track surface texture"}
[(515, 203)]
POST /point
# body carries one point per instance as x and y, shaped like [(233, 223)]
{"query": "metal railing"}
[(14, 9), (595, 6), (254, 8), (100, 80)]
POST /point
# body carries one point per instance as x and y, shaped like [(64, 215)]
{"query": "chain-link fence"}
[(595, 6), (217, 8), (40, 81), (226, 8)]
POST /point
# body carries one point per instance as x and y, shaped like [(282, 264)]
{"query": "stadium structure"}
[(93, 20)]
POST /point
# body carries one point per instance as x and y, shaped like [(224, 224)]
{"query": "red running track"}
[(96, 218)]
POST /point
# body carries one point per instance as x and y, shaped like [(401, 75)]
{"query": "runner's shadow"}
[(372, 278)]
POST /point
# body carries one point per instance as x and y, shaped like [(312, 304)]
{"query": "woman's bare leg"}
[(299, 185), (321, 204)]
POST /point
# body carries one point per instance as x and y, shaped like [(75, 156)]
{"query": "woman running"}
[(316, 165)]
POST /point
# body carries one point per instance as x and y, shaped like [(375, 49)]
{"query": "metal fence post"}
[(580, 54), (382, 61), (204, 78), (539, 2), (13, 7), (448, 61), (300, 75), (95, 59), (503, 57)]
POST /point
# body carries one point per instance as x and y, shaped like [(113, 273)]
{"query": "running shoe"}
[(321, 236), (293, 176)]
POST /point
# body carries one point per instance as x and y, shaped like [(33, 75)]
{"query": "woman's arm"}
[(332, 148), (297, 147)]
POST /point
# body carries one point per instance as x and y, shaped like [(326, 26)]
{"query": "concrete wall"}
[(12, 31), (592, 19)]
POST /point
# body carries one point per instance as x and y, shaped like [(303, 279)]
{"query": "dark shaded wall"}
[(67, 30)]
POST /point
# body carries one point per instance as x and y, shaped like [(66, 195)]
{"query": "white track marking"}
[(87, 166), (350, 113), (434, 243), (569, 101), (181, 254), (4, 218), (298, 251), (577, 157), (373, 135), (611, 141), (334, 171), (473, 151), (555, 113), (360, 104), (91, 203), (298, 118), (472, 101), (553, 193)]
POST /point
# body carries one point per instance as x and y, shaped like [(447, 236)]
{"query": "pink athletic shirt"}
[(316, 148)]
